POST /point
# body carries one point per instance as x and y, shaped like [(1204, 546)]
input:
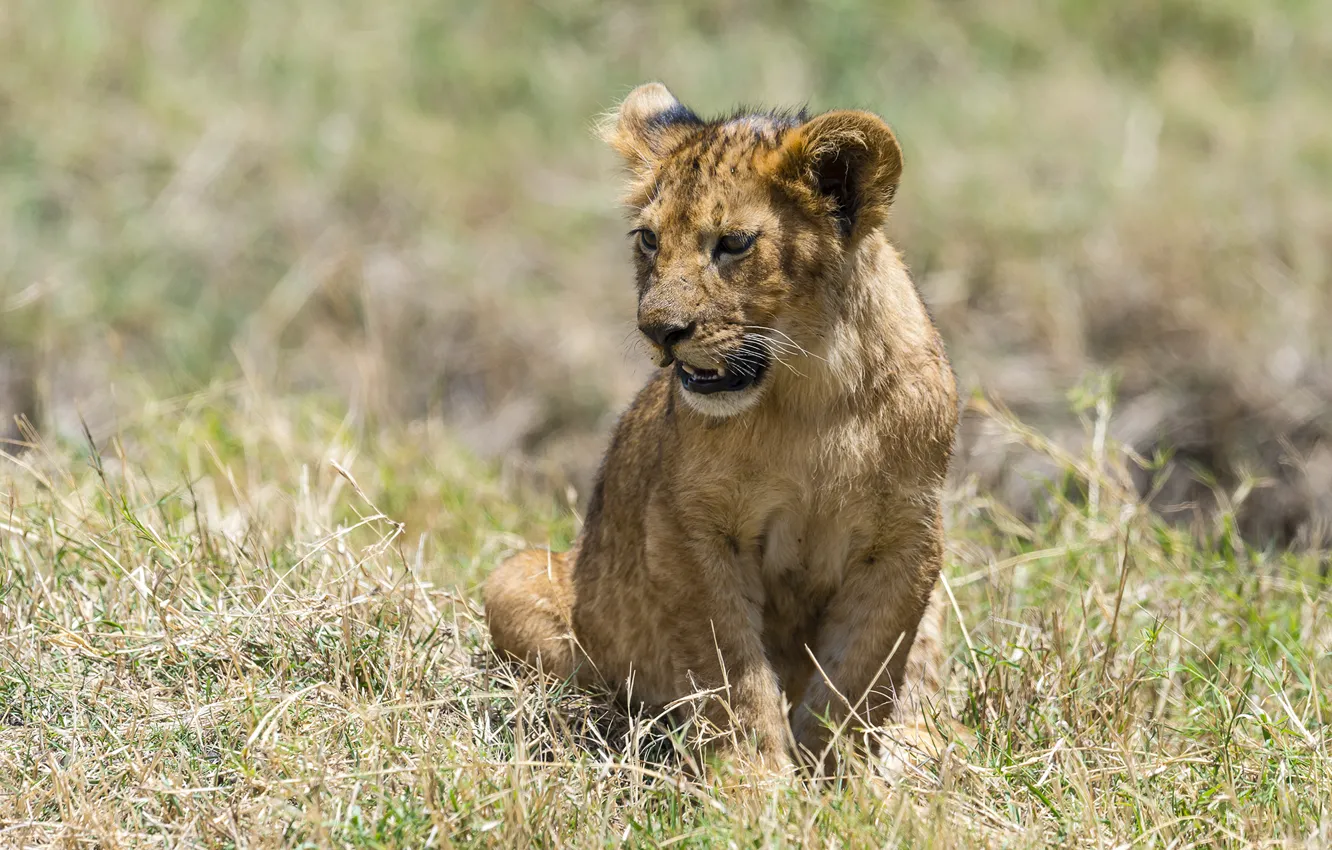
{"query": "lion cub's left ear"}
[(648, 125), (850, 162)]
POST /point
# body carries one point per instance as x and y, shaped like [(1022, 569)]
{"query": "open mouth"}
[(741, 370)]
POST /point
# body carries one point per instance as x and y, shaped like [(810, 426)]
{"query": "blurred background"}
[(399, 207)]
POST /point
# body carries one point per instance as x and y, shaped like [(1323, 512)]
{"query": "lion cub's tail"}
[(529, 609)]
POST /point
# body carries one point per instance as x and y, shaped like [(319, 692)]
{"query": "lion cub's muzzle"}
[(667, 335), (732, 377), (734, 370)]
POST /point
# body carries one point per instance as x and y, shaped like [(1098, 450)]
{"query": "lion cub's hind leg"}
[(529, 605)]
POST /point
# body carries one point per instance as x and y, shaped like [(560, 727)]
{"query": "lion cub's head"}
[(742, 227)]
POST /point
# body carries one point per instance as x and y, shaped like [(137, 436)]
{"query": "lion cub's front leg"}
[(866, 639), (710, 616)]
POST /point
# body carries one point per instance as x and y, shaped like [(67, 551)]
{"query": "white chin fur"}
[(722, 405)]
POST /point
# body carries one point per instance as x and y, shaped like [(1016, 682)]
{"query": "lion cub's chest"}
[(794, 512), (806, 545), (793, 509)]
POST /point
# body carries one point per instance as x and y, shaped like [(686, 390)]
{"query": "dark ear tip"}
[(646, 124)]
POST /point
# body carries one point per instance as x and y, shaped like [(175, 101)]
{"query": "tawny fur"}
[(780, 547)]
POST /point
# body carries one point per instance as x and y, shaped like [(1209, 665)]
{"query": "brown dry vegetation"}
[(212, 637)]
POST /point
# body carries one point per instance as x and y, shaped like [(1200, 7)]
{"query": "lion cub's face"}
[(741, 229)]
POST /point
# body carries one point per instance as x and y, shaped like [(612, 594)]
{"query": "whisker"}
[(771, 350), (770, 342), (793, 370), (786, 341), (785, 346)]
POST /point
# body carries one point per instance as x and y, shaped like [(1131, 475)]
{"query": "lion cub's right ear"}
[(647, 125)]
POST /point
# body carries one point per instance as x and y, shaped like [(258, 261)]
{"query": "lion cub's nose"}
[(667, 334)]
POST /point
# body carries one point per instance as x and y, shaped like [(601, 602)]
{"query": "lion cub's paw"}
[(916, 750)]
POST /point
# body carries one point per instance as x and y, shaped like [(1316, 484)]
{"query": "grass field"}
[(317, 310), (244, 623)]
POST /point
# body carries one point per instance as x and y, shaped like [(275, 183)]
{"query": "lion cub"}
[(766, 523)]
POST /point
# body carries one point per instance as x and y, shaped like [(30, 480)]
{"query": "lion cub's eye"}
[(735, 243), (647, 240)]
